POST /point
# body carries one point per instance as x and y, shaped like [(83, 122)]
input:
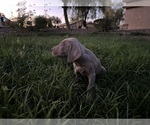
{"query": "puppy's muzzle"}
[(53, 51)]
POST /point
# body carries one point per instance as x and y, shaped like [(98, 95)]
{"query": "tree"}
[(55, 20), (83, 13), (21, 13), (49, 22), (21, 8), (82, 8), (65, 8), (110, 20), (85, 10)]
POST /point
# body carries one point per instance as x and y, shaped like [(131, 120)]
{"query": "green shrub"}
[(49, 22), (103, 24), (111, 19), (40, 22), (21, 21)]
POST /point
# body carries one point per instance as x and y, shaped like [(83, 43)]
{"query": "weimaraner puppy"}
[(84, 60)]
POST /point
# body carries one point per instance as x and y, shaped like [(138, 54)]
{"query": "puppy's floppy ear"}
[(75, 51)]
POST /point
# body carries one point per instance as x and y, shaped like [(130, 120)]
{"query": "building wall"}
[(137, 18)]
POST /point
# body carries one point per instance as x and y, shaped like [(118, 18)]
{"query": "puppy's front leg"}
[(74, 68), (91, 78), (77, 78)]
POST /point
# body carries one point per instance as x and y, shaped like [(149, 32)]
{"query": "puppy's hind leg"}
[(91, 85)]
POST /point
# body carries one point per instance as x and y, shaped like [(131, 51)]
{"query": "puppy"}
[(84, 60)]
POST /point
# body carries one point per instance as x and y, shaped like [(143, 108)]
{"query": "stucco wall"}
[(137, 17)]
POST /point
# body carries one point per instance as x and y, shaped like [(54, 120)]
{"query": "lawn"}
[(33, 84)]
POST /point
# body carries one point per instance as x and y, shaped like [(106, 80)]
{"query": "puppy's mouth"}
[(62, 56), (54, 54), (57, 55)]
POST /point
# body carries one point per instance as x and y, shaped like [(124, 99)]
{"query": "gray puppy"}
[(84, 60)]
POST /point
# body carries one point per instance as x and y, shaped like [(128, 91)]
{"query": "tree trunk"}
[(66, 17)]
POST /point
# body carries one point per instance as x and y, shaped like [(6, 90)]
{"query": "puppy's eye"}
[(62, 45)]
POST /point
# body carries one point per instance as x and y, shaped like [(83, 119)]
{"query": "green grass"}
[(33, 84)]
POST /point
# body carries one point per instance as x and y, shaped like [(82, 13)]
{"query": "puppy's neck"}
[(80, 61)]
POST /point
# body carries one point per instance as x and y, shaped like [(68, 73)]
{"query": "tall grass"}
[(33, 84)]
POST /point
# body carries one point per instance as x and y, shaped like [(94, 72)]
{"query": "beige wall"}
[(137, 17)]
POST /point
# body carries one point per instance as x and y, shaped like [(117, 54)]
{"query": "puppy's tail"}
[(103, 70)]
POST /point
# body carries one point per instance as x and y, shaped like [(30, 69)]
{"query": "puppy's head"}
[(70, 48), (61, 50)]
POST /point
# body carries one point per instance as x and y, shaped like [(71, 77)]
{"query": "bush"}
[(13, 24), (21, 21), (7, 22), (49, 22), (40, 22), (111, 19), (103, 24)]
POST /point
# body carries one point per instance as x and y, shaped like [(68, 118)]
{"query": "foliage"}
[(23, 15), (21, 20), (40, 22), (7, 22), (65, 8), (21, 8), (111, 16), (83, 12), (33, 84), (110, 20), (55, 20), (49, 22)]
